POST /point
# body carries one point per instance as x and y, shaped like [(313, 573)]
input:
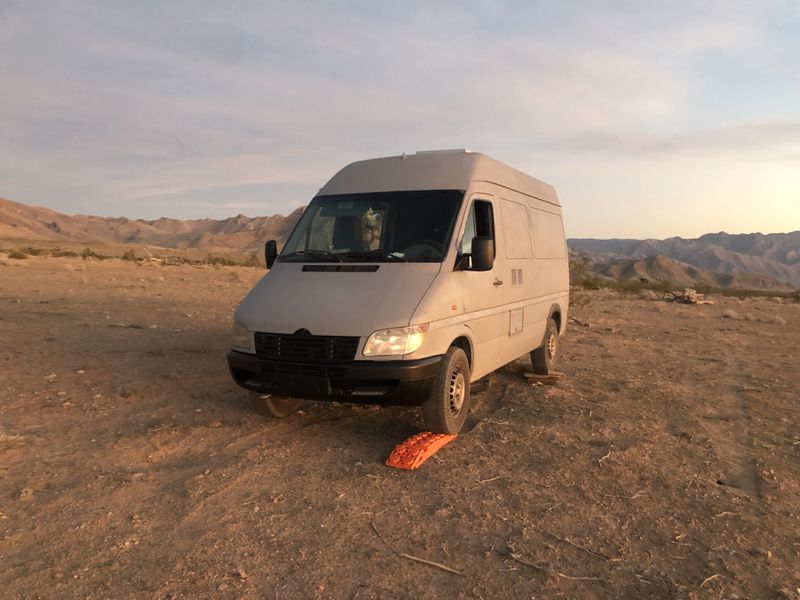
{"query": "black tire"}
[(544, 358), (447, 407), (274, 406)]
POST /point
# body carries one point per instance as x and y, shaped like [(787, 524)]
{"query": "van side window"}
[(480, 222)]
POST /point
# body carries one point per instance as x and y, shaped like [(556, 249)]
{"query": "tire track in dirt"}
[(728, 430)]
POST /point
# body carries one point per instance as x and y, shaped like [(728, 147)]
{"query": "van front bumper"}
[(397, 382)]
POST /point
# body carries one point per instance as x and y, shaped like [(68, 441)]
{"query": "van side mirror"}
[(270, 252), (482, 253)]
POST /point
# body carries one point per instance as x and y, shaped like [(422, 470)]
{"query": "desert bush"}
[(253, 260), (641, 284), (176, 261), (224, 261), (578, 263), (57, 252), (129, 254), (795, 296), (590, 282), (17, 254), (741, 293), (579, 273), (627, 287), (579, 299), (30, 251), (89, 253)]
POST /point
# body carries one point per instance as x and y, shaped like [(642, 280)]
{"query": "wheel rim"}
[(457, 391), (552, 346)]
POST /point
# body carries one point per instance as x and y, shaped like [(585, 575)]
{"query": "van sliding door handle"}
[(497, 282)]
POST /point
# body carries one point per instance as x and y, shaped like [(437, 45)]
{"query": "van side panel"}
[(536, 273), (519, 277), (506, 321)]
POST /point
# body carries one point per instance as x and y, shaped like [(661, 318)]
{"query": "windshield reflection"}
[(407, 226)]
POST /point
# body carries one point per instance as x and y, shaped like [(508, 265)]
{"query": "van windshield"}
[(408, 226)]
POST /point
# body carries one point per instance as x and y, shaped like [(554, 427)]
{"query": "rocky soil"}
[(666, 462)]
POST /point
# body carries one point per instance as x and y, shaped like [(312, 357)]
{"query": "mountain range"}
[(752, 260), (239, 233), (773, 256)]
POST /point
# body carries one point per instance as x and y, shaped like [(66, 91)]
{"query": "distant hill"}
[(240, 233), (662, 268), (775, 256), (751, 260)]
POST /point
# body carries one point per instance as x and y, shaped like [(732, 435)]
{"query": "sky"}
[(652, 119)]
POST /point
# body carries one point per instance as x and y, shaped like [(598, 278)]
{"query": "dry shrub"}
[(222, 261), (17, 255), (89, 253), (579, 299), (57, 252)]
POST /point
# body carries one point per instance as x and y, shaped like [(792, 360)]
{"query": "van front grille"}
[(305, 347)]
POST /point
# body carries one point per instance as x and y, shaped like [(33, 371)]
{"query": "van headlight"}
[(242, 337), (393, 342)]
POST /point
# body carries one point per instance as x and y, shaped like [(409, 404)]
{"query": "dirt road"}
[(666, 464)]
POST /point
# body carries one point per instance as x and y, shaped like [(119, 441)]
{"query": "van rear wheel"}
[(447, 407), (544, 357), (274, 406)]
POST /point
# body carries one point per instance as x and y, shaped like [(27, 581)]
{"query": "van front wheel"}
[(544, 357), (447, 407), (274, 406)]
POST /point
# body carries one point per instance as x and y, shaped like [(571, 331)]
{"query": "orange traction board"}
[(417, 449)]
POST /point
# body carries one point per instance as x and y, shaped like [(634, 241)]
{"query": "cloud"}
[(750, 140), (120, 106)]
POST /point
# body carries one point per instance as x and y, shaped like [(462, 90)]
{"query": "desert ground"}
[(666, 463)]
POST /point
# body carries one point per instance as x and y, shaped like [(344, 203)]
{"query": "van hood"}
[(336, 302)]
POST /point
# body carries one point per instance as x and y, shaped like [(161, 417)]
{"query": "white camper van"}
[(406, 279)]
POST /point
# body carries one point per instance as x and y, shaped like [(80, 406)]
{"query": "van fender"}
[(555, 309), (447, 336), (465, 333)]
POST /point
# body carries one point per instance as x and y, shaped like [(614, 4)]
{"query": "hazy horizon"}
[(651, 122)]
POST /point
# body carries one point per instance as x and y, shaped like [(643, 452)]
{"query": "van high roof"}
[(433, 170)]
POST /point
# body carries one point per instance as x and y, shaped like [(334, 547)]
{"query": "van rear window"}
[(406, 226)]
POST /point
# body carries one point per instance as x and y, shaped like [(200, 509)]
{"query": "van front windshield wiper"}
[(315, 254), (376, 255)]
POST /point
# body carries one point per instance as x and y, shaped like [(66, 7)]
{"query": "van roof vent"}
[(448, 151)]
